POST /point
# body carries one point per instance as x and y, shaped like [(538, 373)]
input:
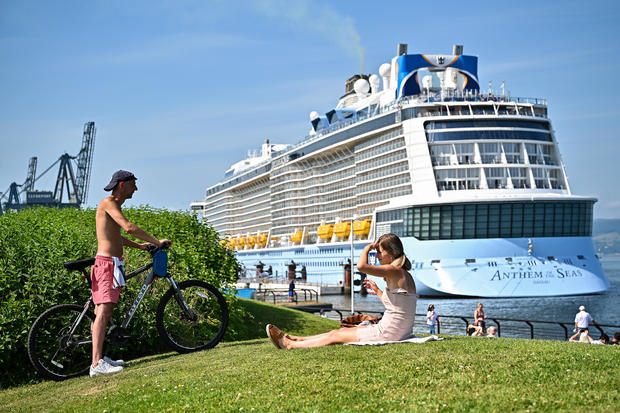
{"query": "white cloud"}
[(318, 18)]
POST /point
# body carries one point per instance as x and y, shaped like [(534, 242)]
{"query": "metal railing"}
[(516, 328), (281, 294)]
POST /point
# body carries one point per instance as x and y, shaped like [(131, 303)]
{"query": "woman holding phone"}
[(399, 299)]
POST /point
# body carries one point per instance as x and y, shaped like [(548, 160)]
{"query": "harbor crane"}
[(73, 183)]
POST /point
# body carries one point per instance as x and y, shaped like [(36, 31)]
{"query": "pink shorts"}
[(102, 276)]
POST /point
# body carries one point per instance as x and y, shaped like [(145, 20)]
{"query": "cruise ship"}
[(472, 181)]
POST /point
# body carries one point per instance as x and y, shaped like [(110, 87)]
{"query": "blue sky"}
[(179, 90)]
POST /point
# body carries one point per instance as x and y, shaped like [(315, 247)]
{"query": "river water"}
[(603, 307)]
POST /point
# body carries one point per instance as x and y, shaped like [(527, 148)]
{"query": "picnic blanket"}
[(412, 339)]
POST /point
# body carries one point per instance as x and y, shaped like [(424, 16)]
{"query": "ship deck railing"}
[(426, 98), (506, 327)]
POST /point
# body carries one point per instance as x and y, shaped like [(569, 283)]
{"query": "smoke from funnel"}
[(321, 19)]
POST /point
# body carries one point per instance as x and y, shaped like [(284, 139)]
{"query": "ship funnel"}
[(402, 49), (457, 50)]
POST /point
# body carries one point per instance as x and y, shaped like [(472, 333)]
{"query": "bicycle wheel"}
[(198, 329), (60, 347)]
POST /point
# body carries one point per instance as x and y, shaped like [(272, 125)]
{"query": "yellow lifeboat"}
[(296, 236), (241, 242), (325, 231), (362, 228), (342, 229), (224, 242), (231, 243), (251, 241), (262, 240)]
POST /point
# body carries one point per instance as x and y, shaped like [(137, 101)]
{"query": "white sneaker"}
[(104, 368), (114, 363)]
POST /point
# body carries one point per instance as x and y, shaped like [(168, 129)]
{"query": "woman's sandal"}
[(276, 335)]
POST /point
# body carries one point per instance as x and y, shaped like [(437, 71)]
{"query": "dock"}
[(318, 289)]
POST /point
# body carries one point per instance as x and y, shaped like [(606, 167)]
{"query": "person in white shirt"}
[(603, 339), (583, 320), (431, 317)]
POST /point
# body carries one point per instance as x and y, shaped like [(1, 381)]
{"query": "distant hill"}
[(605, 226), (606, 235)]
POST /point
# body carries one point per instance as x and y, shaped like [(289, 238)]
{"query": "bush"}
[(35, 242)]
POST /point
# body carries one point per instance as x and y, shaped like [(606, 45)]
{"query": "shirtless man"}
[(106, 288)]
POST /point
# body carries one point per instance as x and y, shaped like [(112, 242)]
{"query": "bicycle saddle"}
[(79, 264)]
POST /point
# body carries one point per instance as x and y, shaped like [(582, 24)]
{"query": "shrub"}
[(35, 242)]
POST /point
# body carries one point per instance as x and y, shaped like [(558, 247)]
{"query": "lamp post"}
[(352, 266)]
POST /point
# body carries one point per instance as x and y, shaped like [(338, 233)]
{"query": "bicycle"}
[(191, 316)]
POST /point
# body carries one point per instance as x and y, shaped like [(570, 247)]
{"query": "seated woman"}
[(399, 299), (584, 337)]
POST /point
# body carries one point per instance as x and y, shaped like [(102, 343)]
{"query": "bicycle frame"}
[(143, 290), (138, 300)]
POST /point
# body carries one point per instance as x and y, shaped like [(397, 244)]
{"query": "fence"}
[(281, 294), (506, 327)]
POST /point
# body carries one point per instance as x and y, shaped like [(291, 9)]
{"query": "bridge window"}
[(492, 220)]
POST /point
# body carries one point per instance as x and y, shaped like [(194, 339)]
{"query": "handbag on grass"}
[(356, 319)]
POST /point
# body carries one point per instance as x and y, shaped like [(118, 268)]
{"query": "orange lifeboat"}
[(362, 228), (325, 231), (251, 241), (296, 237), (342, 229), (262, 240), (241, 242)]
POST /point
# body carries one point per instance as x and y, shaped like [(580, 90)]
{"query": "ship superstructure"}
[(473, 182)]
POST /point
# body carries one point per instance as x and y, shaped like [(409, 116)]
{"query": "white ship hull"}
[(474, 268)]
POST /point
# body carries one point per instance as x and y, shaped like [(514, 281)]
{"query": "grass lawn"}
[(457, 374)]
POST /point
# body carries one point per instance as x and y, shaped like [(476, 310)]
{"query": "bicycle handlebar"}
[(152, 248)]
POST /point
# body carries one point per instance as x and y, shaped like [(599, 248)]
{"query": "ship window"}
[(485, 123), (445, 222), (482, 213), (434, 222), (469, 226), (505, 220), (492, 220), (457, 221), (486, 134), (493, 231)]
